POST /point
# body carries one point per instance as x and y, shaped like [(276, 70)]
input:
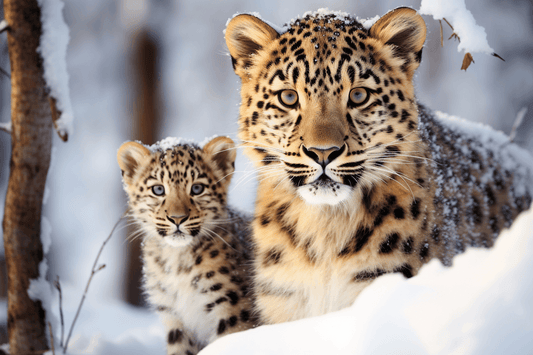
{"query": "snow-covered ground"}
[(483, 304)]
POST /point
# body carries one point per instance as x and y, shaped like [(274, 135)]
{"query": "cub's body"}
[(195, 248)]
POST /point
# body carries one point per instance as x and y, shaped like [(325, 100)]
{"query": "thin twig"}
[(454, 35), (441, 34), (51, 338), (58, 287), (94, 270), (5, 72), (448, 23), (497, 56), (517, 122)]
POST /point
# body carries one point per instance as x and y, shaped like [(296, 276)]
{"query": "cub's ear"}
[(405, 30), (245, 36), (221, 152), (129, 156)]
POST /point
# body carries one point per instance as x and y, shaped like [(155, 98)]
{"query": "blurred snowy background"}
[(197, 95)]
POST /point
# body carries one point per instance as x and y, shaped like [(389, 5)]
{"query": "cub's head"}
[(178, 193), (328, 105)]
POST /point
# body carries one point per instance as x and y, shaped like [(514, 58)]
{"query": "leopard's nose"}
[(323, 156), (177, 220)]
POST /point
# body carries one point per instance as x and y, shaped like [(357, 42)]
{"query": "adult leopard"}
[(356, 178)]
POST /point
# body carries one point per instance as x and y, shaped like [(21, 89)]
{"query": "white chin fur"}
[(324, 195), (178, 242)]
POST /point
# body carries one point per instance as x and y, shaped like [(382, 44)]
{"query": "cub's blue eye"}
[(158, 190), (197, 189)]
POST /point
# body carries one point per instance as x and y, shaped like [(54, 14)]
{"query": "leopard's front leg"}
[(179, 340)]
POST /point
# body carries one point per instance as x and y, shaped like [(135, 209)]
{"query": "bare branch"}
[(58, 287), (51, 338), (517, 123), (497, 56), (441, 34), (94, 270), (454, 35), (2, 71), (448, 23)]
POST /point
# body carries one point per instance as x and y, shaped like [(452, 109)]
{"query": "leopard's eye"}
[(158, 190), (359, 96), (288, 98), (197, 189)]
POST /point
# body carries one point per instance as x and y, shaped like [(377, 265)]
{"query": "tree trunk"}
[(31, 141), (146, 124)]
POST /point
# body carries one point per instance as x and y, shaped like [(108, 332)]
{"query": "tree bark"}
[(31, 140)]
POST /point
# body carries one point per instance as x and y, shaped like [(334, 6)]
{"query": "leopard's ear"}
[(245, 36), (221, 152), (130, 155), (405, 30)]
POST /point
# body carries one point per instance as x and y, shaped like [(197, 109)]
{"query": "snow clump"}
[(472, 36), (53, 50)]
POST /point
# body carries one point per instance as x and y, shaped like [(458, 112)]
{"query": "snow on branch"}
[(6, 127), (3, 26), (53, 50), (472, 37)]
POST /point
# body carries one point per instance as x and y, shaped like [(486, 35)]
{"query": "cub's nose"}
[(177, 220), (323, 156)]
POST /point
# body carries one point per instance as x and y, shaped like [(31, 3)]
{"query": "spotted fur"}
[(195, 249), (356, 179)]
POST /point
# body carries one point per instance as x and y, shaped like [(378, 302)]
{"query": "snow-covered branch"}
[(472, 38)]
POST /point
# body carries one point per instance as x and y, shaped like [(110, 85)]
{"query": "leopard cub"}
[(195, 248)]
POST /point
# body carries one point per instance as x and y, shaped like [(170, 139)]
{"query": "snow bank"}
[(481, 305), (53, 50), (473, 37)]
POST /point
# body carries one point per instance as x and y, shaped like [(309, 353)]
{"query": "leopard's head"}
[(328, 106), (177, 194)]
